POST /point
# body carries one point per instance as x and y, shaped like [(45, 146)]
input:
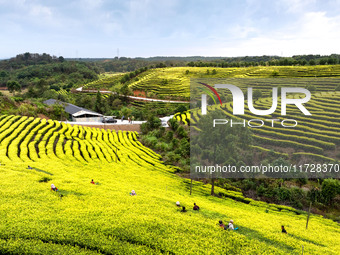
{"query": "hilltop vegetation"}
[(39, 73), (82, 218), (175, 82), (124, 64), (31, 108)]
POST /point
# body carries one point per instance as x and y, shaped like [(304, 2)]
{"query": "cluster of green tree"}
[(230, 146), (33, 70), (172, 144), (124, 64), (28, 59), (127, 77), (322, 192), (32, 108), (131, 64), (269, 61), (219, 145)]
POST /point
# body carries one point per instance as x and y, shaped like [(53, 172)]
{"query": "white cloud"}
[(163, 27), (91, 4), (313, 33), (243, 32), (318, 25), (295, 6), (40, 11)]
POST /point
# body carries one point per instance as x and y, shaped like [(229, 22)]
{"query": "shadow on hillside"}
[(250, 233), (66, 192), (306, 240), (42, 171)]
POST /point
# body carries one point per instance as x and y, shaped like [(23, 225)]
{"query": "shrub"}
[(181, 108), (297, 194), (150, 140), (173, 123), (162, 146), (181, 132), (297, 204), (171, 158), (261, 190), (159, 132), (18, 99), (169, 135), (330, 188), (184, 147), (174, 142), (45, 179), (301, 181), (282, 194), (248, 184), (151, 124)]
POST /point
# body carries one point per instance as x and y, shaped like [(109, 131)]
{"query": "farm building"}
[(77, 113)]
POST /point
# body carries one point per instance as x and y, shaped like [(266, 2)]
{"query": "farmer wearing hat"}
[(231, 225)]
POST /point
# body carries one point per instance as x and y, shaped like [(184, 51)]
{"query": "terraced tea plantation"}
[(33, 139), (106, 81), (175, 81), (83, 218), (316, 137)]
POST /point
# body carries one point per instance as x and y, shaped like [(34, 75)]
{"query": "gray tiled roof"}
[(70, 108)]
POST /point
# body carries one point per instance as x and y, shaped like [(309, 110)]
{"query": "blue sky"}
[(144, 28)]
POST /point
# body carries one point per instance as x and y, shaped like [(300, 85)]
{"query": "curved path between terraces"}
[(131, 97)]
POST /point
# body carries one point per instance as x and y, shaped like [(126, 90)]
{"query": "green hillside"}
[(175, 81), (82, 218), (315, 137)]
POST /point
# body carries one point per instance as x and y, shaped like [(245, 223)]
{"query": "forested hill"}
[(31, 70), (124, 64), (27, 59)]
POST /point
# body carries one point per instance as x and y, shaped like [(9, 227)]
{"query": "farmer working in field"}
[(53, 187), (231, 225), (196, 207), (183, 209), (220, 223)]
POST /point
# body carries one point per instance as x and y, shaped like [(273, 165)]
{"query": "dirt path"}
[(81, 90)]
